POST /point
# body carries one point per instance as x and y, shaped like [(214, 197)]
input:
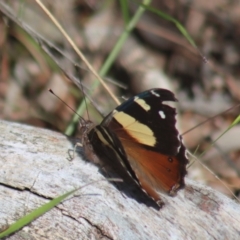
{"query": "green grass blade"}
[(125, 11), (173, 20), (45, 208), (34, 214)]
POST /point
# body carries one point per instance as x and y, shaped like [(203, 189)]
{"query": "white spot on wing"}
[(178, 149), (170, 104), (154, 93), (179, 138), (162, 114)]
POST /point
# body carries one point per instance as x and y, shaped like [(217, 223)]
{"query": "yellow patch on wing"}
[(142, 104), (141, 132)]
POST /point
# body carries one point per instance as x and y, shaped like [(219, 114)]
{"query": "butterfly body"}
[(140, 138)]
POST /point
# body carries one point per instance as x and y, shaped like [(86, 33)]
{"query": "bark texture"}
[(35, 167)]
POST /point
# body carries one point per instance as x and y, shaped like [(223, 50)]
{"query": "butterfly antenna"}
[(81, 118)]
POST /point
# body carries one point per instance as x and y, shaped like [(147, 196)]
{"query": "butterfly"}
[(140, 138)]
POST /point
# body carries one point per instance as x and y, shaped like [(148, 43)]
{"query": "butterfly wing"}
[(146, 129)]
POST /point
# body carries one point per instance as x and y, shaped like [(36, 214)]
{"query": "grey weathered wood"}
[(35, 167)]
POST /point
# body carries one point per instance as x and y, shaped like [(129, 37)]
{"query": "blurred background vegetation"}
[(155, 54)]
